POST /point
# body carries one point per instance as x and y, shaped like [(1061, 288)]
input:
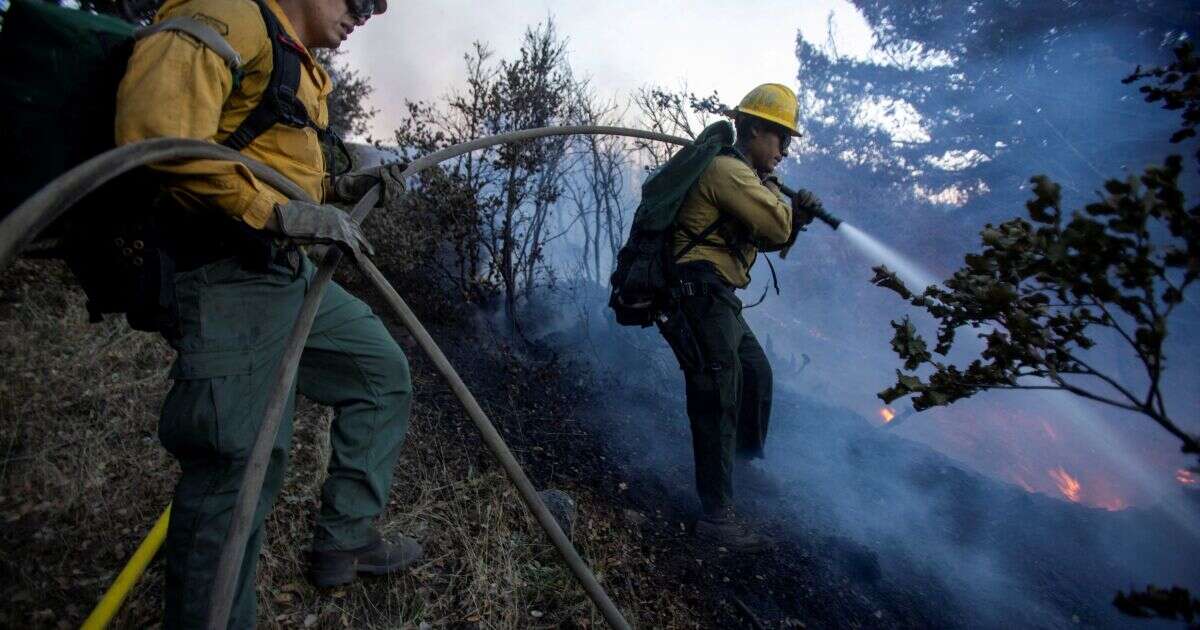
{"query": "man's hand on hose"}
[(317, 223), (805, 207), (349, 188)]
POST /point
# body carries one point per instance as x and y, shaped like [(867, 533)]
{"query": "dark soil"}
[(556, 416), (83, 478), (631, 455)]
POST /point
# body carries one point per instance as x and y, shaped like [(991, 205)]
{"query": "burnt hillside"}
[(873, 529)]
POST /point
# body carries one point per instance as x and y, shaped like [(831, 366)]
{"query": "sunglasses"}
[(785, 140), (361, 9)]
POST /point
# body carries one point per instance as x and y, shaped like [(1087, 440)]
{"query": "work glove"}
[(349, 188), (805, 207), (317, 223)]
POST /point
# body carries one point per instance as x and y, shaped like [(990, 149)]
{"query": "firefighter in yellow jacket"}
[(729, 389), (240, 280)]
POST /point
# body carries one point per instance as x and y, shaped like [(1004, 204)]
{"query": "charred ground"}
[(83, 478)]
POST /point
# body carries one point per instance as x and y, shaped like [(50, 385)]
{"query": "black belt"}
[(196, 238), (700, 278)]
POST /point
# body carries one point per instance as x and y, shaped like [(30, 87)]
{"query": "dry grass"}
[(82, 478)]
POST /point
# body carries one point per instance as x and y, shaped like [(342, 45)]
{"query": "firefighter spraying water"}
[(730, 171)]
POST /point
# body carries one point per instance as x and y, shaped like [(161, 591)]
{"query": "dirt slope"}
[(82, 477)]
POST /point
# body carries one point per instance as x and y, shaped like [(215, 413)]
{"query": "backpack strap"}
[(279, 103), (695, 240), (202, 32), (701, 238)]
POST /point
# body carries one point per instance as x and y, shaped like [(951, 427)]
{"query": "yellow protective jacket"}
[(761, 219), (175, 86)]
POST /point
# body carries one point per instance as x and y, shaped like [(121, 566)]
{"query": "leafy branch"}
[(1041, 288)]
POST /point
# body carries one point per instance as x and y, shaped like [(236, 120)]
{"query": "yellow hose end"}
[(116, 594)]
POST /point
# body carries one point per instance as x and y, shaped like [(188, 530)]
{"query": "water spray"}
[(910, 272)]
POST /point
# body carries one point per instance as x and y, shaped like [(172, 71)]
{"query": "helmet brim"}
[(787, 125)]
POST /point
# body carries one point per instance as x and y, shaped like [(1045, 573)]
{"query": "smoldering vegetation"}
[(978, 552), (1030, 511), (919, 145), (83, 477), (991, 516)]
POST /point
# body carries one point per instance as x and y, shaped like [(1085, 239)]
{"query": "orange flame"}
[(1067, 484), (1186, 477), (1115, 504), (887, 413)]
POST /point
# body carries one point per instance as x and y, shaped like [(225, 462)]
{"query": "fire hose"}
[(40, 210), (116, 594)]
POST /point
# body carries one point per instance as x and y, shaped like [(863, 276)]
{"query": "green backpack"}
[(59, 73), (645, 272)]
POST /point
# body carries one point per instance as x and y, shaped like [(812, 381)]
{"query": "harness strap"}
[(759, 300), (279, 103), (330, 139), (696, 240), (774, 278), (701, 238), (203, 33), (689, 289), (774, 281)]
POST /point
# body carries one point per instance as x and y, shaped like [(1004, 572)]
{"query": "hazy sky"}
[(415, 51)]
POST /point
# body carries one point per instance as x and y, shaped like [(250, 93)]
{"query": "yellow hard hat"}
[(774, 102)]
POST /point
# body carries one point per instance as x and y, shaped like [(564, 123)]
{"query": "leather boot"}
[(724, 529), (380, 557)]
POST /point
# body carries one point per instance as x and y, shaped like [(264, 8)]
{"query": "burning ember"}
[(1187, 477), (1067, 484), (887, 413)]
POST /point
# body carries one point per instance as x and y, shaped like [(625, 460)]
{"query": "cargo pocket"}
[(718, 340), (209, 411), (674, 327)]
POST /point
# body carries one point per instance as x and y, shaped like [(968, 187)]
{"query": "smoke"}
[(993, 554), (963, 505), (966, 504)]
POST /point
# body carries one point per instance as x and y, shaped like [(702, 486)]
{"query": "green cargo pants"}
[(728, 385), (233, 326)]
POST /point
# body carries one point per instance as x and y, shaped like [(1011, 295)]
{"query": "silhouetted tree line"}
[(498, 210)]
